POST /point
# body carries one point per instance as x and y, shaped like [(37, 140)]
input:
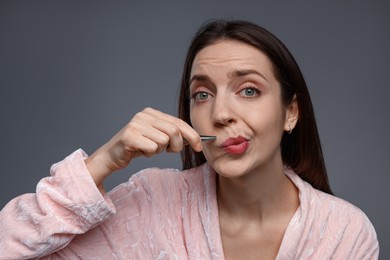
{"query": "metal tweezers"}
[(203, 138), (207, 137)]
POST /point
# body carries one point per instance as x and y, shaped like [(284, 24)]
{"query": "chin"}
[(230, 169)]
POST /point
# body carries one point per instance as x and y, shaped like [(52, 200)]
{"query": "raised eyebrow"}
[(200, 77), (241, 73)]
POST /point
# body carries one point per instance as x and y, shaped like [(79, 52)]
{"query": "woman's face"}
[(235, 96)]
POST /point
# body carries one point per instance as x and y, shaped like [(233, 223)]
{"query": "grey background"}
[(72, 73)]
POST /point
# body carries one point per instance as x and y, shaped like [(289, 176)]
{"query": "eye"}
[(250, 92), (201, 96)]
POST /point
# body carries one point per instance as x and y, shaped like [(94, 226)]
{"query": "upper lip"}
[(234, 141)]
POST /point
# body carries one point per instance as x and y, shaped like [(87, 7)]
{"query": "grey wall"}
[(72, 73)]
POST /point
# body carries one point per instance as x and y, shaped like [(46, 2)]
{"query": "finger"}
[(141, 146), (187, 132), (149, 126), (149, 134), (173, 132), (178, 131)]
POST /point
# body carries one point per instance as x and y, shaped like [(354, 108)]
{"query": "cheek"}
[(196, 120), (270, 119)]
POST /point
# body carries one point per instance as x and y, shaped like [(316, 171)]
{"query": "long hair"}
[(301, 149)]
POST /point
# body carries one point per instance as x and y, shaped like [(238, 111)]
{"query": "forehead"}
[(230, 55)]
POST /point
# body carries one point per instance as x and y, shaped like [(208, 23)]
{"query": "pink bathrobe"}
[(163, 214)]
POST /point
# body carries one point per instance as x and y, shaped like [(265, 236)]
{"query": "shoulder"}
[(337, 221), (169, 178), (343, 214), (336, 209), (157, 183), (348, 225), (325, 204)]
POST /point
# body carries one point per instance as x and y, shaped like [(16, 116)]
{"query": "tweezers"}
[(203, 138), (207, 137)]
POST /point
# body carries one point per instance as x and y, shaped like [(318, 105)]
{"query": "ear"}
[(292, 115)]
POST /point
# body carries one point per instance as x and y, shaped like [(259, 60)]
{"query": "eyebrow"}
[(234, 74), (200, 77), (242, 73)]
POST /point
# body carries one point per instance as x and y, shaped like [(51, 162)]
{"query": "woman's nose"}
[(222, 111)]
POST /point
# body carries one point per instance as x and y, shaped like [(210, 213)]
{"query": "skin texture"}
[(148, 133), (235, 93)]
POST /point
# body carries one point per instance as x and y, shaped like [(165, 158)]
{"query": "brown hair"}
[(301, 150)]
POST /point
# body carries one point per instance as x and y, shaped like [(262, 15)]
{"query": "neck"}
[(259, 195)]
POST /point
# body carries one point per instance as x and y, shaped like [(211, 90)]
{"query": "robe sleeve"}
[(65, 204), (367, 245), (360, 239)]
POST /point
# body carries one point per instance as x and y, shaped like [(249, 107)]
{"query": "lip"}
[(235, 145)]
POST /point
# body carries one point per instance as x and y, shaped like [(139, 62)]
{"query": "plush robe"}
[(164, 214)]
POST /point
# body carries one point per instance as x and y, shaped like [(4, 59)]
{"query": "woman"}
[(258, 191)]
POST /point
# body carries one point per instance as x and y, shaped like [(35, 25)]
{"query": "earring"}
[(290, 129)]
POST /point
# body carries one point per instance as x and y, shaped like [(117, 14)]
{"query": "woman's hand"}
[(149, 132)]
